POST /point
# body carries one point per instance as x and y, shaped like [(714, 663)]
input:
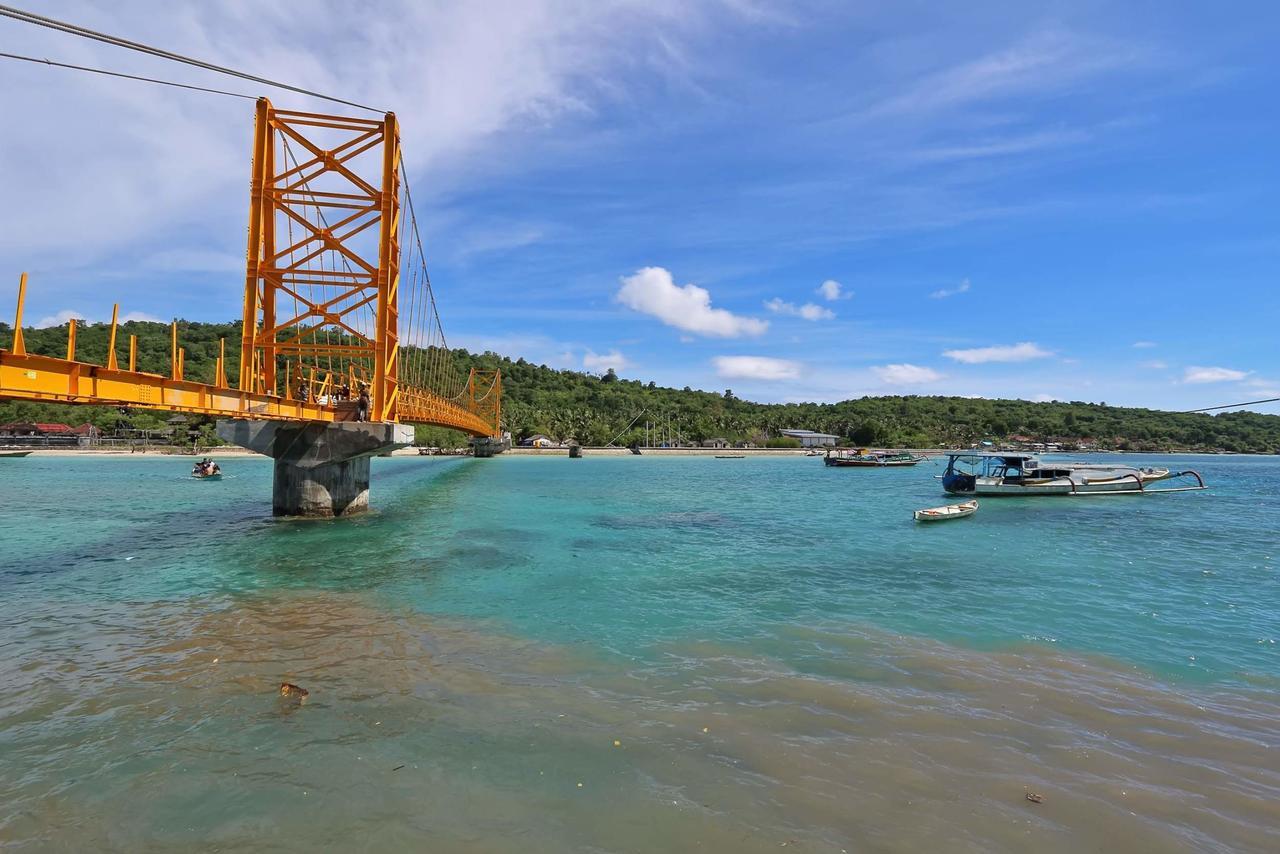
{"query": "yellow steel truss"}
[(326, 300)]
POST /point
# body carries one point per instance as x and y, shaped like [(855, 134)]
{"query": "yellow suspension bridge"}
[(340, 325)]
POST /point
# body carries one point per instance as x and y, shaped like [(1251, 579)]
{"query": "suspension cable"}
[(41, 61), (1233, 405), (117, 41)]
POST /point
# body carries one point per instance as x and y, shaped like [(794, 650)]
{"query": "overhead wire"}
[(121, 74), (1233, 405), (118, 41)]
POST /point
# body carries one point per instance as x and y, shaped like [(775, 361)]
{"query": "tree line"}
[(596, 410)]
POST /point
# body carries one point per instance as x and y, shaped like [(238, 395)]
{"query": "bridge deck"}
[(52, 380)]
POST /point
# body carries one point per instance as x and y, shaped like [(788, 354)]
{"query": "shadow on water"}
[(232, 543)]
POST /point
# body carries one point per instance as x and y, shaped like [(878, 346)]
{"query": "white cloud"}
[(1212, 375), (1023, 352), (756, 368), (943, 293), (1154, 365), (194, 260), (652, 291), (832, 290), (809, 311), (1143, 345), (67, 314), (1041, 63), (600, 363), (1001, 147), (906, 374), (1045, 398), (113, 168)]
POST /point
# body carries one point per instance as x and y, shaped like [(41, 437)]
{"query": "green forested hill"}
[(596, 410)]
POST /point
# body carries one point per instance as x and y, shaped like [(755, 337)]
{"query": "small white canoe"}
[(950, 511)]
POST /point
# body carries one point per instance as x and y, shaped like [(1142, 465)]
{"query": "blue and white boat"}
[(1010, 473)]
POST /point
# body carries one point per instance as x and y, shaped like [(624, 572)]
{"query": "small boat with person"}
[(1010, 473), (863, 458), (206, 469), (948, 511)]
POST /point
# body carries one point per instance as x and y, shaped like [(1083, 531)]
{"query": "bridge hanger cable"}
[(41, 61), (1234, 405), (85, 32)]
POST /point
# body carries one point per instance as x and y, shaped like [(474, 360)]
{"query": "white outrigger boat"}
[(949, 511), (1007, 473)]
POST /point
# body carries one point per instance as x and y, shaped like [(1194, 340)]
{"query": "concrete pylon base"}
[(486, 446), (321, 469)]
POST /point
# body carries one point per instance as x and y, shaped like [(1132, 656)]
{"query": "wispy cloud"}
[(1024, 352), (808, 311), (1154, 365), (1144, 345), (61, 318), (832, 290), (905, 374), (943, 293), (756, 368), (1043, 62), (1001, 147), (599, 363), (653, 291), (1195, 374)]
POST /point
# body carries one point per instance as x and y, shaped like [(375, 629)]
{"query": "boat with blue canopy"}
[(1010, 473)]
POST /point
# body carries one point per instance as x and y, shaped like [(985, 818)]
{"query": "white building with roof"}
[(810, 439)]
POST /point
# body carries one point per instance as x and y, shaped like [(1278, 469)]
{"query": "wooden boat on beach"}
[(948, 511)]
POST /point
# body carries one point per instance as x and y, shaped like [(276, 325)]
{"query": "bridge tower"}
[(322, 294)]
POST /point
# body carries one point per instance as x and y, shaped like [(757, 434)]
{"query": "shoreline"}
[(236, 452)]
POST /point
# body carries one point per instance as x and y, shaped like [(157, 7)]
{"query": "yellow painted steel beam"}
[(52, 380)]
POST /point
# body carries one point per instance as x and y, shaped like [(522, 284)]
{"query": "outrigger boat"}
[(14, 454), (1000, 473), (862, 458), (950, 511)]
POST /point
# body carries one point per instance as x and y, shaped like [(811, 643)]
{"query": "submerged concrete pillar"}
[(320, 469)]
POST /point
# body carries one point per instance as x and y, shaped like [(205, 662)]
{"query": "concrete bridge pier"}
[(321, 469), (490, 446)]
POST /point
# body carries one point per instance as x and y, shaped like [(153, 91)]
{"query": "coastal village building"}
[(537, 441), (715, 443), (47, 434), (810, 439)]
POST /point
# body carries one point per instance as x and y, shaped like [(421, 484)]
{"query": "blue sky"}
[(804, 201)]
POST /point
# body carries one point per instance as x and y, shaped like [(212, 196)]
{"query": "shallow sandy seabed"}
[(168, 732)]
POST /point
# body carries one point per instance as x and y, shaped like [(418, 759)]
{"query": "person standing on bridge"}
[(362, 403)]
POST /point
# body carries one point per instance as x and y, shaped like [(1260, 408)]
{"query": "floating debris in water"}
[(1034, 798), (288, 689)]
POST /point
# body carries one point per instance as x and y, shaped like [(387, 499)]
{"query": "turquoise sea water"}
[(496, 618)]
